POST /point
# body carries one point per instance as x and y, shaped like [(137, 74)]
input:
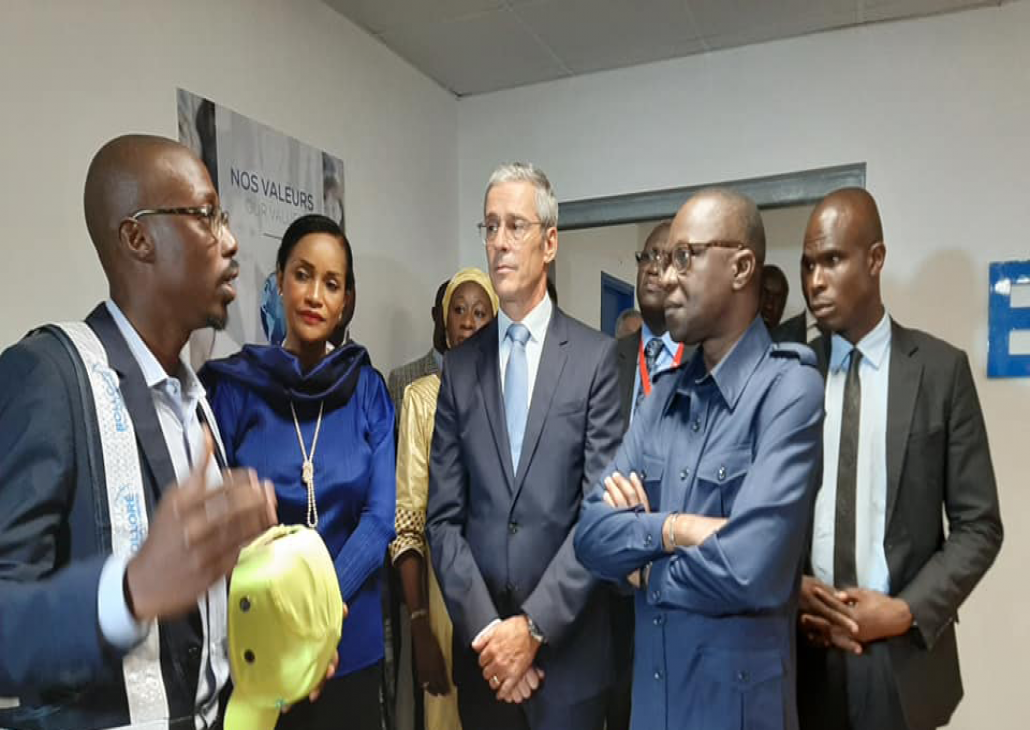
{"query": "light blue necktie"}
[(516, 390)]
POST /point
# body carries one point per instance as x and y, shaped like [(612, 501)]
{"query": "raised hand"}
[(195, 538)]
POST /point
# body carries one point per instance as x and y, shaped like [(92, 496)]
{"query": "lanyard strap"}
[(645, 376)]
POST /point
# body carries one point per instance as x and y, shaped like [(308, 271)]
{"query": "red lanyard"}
[(645, 377)]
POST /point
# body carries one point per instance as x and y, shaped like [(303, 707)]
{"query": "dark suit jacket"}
[(627, 350), (55, 537), (937, 458), (501, 542), (792, 330)]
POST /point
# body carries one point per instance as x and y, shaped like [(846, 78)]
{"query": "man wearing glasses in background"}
[(705, 508), (528, 416), (96, 630)]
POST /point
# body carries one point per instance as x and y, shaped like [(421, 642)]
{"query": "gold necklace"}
[(307, 473)]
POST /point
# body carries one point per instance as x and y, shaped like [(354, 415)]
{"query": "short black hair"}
[(314, 223)]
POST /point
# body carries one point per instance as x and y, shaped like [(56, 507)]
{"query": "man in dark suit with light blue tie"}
[(528, 416)]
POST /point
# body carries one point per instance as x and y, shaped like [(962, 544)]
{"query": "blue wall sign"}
[(1003, 319)]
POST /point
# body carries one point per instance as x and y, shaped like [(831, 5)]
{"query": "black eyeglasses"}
[(681, 256), (217, 219), (516, 229)]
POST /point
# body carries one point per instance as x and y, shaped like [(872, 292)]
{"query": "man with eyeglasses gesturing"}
[(704, 510), (527, 417), (117, 525)]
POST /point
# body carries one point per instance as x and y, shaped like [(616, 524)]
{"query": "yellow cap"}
[(285, 619)]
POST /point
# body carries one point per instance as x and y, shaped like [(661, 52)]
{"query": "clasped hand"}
[(848, 619), (506, 654)]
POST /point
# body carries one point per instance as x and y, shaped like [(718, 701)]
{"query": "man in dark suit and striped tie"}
[(903, 443)]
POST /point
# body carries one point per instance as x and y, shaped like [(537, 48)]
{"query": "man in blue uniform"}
[(709, 527)]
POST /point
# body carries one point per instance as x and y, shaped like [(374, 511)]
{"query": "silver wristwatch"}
[(534, 630)]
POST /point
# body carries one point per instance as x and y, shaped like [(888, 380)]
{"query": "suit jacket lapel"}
[(627, 349), (137, 397), (552, 362), (488, 377), (906, 373), (821, 345)]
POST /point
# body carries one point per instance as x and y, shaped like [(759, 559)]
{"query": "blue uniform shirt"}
[(715, 624)]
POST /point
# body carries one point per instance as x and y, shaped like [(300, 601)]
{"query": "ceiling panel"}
[(478, 53), (475, 46), (378, 16), (737, 17), (875, 10), (591, 35)]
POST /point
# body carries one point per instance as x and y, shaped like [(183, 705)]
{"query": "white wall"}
[(939, 109), (74, 74), (583, 254)]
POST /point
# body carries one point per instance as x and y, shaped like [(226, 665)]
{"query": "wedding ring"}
[(494, 681)]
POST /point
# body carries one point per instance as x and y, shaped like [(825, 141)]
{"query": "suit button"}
[(513, 527), (655, 595), (643, 475), (658, 621), (194, 652), (696, 426), (742, 676), (722, 473), (647, 540), (684, 474), (658, 676)]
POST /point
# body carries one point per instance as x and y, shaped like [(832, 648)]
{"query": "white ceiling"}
[(475, 46)]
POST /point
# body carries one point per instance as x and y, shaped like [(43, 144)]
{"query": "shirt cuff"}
[(651, 531), (486, 630), (117, 624)]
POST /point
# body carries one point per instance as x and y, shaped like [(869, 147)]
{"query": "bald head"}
[(850, 213), (129, 173), (736, 216), (658, 235), (841, 261)]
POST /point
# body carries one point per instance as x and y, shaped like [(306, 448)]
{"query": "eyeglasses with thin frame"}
[(217, 218), (681, 256), (515, 229)]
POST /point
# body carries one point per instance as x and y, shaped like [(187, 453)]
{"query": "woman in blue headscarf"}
[(318, 423)]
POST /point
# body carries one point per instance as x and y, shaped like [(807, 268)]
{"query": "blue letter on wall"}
[(1003, 319)]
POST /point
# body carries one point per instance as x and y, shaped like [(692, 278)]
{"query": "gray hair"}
[(546, 203), (625, 316)]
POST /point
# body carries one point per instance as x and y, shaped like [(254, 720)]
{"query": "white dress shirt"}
[(536, 322), (176, 401), (871, 484)]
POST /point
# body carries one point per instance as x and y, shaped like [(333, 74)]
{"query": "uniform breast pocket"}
[(743, 689), (651, 471), (719, 476)]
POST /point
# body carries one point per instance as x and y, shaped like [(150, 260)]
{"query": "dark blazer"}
[(55, 537), (501, 542), (937, 459), (792, 330), (627, 350)]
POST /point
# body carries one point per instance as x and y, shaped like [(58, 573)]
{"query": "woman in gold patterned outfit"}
[(468, 305)]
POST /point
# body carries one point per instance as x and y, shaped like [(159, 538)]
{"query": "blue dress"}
[(250, 394)]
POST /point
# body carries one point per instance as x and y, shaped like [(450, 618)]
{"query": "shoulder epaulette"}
[(802, 353)]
